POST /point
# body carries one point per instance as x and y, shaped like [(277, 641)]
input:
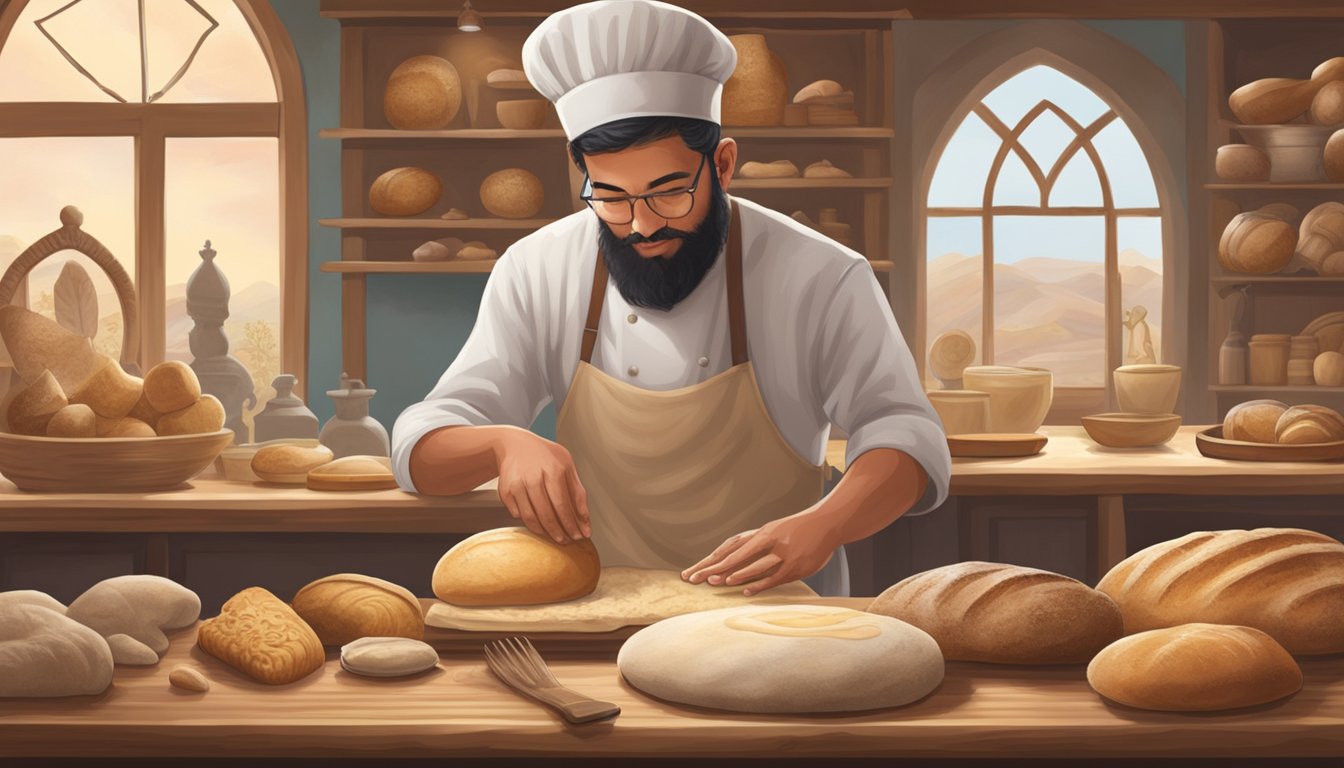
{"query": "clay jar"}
[(759, 88)]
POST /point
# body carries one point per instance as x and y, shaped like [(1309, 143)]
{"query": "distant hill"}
[(1048, 312)]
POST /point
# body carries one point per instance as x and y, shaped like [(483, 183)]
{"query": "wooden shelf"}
[(1279, 280), (423, 224), (1280, 185), (1252, 388), (474, 134), (457, 267), (805, 183), (484, 266)]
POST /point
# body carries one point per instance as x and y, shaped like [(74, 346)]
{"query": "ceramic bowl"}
[(962, 411), (1131, 430), (1019, 398), (1296, 152), (1148, 388)]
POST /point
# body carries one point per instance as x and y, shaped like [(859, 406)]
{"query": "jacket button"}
[(632, 318), (633, 370), (704, 362)]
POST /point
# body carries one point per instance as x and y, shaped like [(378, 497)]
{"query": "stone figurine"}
[(221, 374)]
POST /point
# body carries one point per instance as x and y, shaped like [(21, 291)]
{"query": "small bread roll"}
[(513, 193), (1253, 421), (289, 463), (1327, 108), (822, 169), (513, 566), (128, 426), (347, 606), (818, 88), (353, 473), (74, 420), (405, 192), (31, 410), (110, 391), (1303, 424), (205, 415), (1328, 369), (778, 169), (1195, 668), (506, 76), (476, 251), (171, 386)]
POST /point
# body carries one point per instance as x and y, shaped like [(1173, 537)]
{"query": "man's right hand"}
[(540, 486)]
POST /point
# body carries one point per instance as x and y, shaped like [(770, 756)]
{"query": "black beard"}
[(661, 283)]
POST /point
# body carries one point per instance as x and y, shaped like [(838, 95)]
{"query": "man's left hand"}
[(778, 552)]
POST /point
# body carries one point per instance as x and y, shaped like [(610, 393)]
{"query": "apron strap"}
[(737, 316)]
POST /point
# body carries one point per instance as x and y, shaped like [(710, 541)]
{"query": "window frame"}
[(150, 125), (1130, 85)]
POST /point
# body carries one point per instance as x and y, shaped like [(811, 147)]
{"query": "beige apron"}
[(671, 474)]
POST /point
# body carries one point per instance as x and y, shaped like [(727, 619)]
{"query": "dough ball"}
[(171, 386)]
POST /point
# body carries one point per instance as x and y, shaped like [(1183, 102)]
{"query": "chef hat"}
[(616, 59)]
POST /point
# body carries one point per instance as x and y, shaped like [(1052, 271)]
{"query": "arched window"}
[(168, 124), (1044, 233)]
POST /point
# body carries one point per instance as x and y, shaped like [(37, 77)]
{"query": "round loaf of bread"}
[(74, 420), (783, 658), (1195, 668), (1286, 582), (1303, 424), (1321, 233), (348, 606), (422, 93), (1256, 243), (1328, 368), (513, 566), (1241, 162), (32, 408), (171, 386), (1334, 156), (110, 391), (1327, 107), (513, 193), (1253, 421), (1005, 614), (405, 192), (204, 415)]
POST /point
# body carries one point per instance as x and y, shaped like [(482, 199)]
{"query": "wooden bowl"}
[(94, 464), (1212, 444), (522, 114), (1131, 430), (995, 446)]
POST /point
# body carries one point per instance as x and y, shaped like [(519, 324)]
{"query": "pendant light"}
[(469, 20)]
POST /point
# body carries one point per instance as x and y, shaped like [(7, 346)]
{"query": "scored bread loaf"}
[(1004, 614), (1286, 582), (347, 606), (1195, 668), (514, 566), (262, 637)]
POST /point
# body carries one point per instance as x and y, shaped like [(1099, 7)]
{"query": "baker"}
[(698, 346)]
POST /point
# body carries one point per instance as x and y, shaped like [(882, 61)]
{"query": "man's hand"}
[(540, 486), (778, 552)]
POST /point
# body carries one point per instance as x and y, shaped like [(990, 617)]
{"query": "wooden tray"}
[(994, 446), (1210, 443)]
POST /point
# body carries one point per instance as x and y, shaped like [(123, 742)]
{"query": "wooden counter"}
[(460, 709)]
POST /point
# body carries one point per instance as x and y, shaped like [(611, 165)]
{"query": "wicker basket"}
[(108, 463)]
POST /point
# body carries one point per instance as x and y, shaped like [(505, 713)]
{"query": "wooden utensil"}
[(996, 446), (1212, 444), (518, 664), (1276, 100)]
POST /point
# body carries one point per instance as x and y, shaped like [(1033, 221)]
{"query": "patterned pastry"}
[(262, 637), (348, 606)]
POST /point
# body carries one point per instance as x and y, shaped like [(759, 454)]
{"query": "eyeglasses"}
[(670, 204)]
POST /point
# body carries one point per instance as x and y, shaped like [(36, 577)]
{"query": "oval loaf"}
[(1286, 582), (1004, 614), (347, 606), (513, 566)]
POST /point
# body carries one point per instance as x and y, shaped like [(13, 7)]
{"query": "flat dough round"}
[(783, 658)]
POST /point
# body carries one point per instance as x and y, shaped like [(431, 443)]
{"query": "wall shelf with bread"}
[(1276, 223), (429, 114)]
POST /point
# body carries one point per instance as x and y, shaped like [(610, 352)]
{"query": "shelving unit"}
[(851, 46), (1240, 51)]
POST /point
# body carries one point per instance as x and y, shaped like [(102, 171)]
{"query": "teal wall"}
[(418, 323)]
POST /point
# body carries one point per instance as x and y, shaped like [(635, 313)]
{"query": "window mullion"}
[(150, 234)]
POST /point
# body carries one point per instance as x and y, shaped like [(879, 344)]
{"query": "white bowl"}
[(1019, 398), (1148, 388)]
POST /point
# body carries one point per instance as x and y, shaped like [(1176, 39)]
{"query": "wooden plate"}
[(1210, 442), (1329, 329), (328, 478), (995, 446)]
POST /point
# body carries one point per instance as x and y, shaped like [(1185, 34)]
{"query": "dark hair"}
[(701, 136)]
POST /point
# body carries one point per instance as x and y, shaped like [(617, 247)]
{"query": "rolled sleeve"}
[(495, 379), (870, 385)]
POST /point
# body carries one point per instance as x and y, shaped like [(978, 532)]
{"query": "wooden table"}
[(461, 710)]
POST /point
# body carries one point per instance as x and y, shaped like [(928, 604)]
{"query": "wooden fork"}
[(518, 664)]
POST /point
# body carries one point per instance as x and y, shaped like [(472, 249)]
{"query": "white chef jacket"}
[(821, 336)]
